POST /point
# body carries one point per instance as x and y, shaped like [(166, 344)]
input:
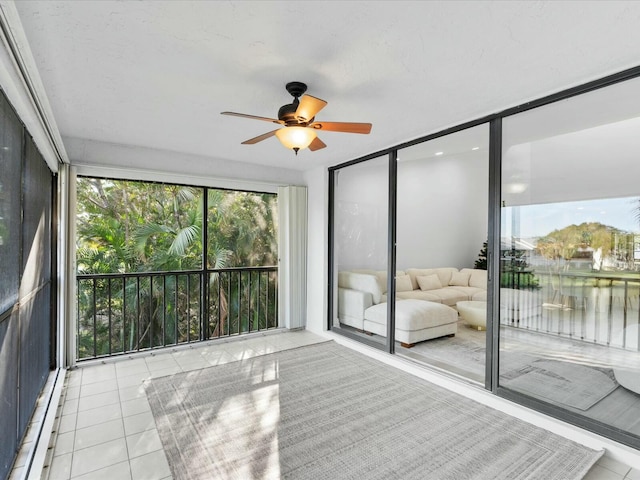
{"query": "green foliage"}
[(515, 271), (519, 280), (574, 240), (481, 262), (244, 224), (136, 226), (128, 226), (564, 243)]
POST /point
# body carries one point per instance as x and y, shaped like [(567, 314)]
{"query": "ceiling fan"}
[(300, 125)]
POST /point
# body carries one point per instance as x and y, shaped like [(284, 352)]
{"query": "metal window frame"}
[(204, 271), (493, 249)]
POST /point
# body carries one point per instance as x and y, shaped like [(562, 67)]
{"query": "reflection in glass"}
[(441, 282), (360, 242), (570, 256)]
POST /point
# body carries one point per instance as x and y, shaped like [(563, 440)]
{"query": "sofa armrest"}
[(365, 282), (353, 303)]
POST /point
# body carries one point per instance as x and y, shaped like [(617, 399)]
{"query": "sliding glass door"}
[(526, 223), (441, 278), (570, 257), (360, 250)]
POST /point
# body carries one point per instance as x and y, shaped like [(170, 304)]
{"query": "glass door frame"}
[(493, 251), (389, 345), (392, 154), (493, 264)]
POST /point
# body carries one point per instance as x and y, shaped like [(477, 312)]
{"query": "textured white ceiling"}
[(157, 74)]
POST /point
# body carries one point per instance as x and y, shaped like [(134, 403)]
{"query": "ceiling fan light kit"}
[(296, 138), (298, 122)]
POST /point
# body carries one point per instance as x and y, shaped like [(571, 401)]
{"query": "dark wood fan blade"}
[(308, 107), (259, 138), (345, 127), (252, 117), (317, 144)]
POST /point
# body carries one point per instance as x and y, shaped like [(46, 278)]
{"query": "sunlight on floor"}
[(105, 429)]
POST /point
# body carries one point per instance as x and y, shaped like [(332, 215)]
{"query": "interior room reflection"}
[(441, 281), (360, 245)]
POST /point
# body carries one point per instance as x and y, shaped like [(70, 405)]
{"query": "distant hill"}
[(566, 242)]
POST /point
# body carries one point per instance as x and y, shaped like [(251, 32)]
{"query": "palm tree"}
[(141, 227)]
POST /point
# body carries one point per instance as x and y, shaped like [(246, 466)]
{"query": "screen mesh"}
[(10, 183)]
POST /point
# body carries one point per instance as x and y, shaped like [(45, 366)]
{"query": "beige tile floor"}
[(105, 429)]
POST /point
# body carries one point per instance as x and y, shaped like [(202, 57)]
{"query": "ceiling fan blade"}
[(259, 138), (308, 107), (252, 117), (346, 127), (317, 144)]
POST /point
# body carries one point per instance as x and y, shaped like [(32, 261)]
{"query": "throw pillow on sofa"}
[(403, 283), (381, 275), (459, 279), (429, 282)]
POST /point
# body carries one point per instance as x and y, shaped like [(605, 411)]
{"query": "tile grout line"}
[(124, 430), (75, 379), (148, 373), (75, 424), (74, 450), (63, 400)]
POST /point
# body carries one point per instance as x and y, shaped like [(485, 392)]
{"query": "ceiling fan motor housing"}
[(287, 112)]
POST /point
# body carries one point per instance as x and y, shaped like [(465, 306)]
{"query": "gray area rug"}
[(466, 351), (327, 412), (563, 383)]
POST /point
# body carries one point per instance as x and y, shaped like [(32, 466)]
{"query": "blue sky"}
[(539, 220)]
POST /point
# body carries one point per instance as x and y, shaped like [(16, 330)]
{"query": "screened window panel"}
[(35, 319), (8, 391), (10, 179), (242, 229), (36, 239), (25, 280)]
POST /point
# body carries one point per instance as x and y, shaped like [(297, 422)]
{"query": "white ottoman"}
[(416, 321), (474, 313)]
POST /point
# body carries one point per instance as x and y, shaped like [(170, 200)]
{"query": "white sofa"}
[(443, 285), (359, 290)]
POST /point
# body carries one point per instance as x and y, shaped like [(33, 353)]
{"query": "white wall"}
[(442, 219), (361, 219), (442, 210)]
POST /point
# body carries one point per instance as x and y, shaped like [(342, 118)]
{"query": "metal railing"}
[(597, 307), (129, 312)]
